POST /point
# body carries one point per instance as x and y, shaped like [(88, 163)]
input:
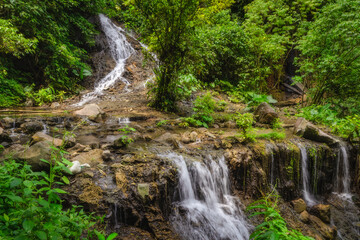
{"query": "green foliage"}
[(272, 136), (30, 206), (273, 29), (161, 123), (273, 226), (330, 52), (204, 106), (220, 50), (169, 27), (347, 127), (245, 121), (186, 85), (277, 124), (101, 236), (45, 43), (125, 140)]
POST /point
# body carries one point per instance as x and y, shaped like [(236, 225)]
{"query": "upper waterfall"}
[(120, 50)]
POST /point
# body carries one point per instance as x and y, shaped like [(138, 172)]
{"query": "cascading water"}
[(123, 121), (206, 209), (269, 148), (309, 199), (342, 180), (120, 50)]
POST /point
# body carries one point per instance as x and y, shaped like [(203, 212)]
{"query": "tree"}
[(169, 24), (330, 52)]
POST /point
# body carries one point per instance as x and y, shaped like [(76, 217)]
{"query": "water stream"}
[(120, 50), (270, 149), (206, 209), (308, 197), (342, 180)]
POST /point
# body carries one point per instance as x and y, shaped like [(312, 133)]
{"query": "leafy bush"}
[(347, 127), (272, 135), (273, 226), (30, 207), (204, 106), (125, 140), (245, 121)]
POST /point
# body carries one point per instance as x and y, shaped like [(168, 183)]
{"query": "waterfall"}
[(123, 121), (120, 50), (309, 199), (269, 149), (206, 209), (342, 180)]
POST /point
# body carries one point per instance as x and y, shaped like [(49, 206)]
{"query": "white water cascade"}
[(309, 199), (120, 50), (206, 209), (342, 181)]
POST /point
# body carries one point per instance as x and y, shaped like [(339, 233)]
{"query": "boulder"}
[(264, 113), (12, 150), (309, 131), (193, 136), (40, 136), (321, 211), (55, 105), (107, 156), (304, 216), (32, 127), (299, 205), (8, 122), (93, 112), (93, 157), (33, 154), (326, 231), (5, 138)]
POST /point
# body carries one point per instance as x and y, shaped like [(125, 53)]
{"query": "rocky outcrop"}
[(93, 157), (93, 112), (40, 136), (321, 211), (33, 155), (309, 131), (264, 113), (32, 127), (299, 205), (326, 231)]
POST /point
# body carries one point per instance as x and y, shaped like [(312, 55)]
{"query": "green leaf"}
[(28, 183), (15, 182), (41, 235), (45, 161), (6, 218), (14, 198), (58, 190), (112, 236), (28, 225)]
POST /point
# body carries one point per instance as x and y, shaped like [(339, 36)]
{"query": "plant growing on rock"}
[(273, 226), (124, 140)]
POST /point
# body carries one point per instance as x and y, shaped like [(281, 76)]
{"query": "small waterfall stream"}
[(342, 180), (308, 197), (270, 149), (120, 50), (206, 209)]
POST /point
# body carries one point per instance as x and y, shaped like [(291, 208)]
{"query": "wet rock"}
[(93, 157), (40, 136), (77, 148), (107, 156), (5, 138), (326, 231), (309, 131), (91, 193), (121, 180), (230, 124), (32, 127), (264, 113), (8, 122), (34, 153), (321, 211), (1, 130), (143, 189), (299, 205), (55, 105), (10, 151), (99, 118), (193, 136), (89, 110), (304, 216)]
